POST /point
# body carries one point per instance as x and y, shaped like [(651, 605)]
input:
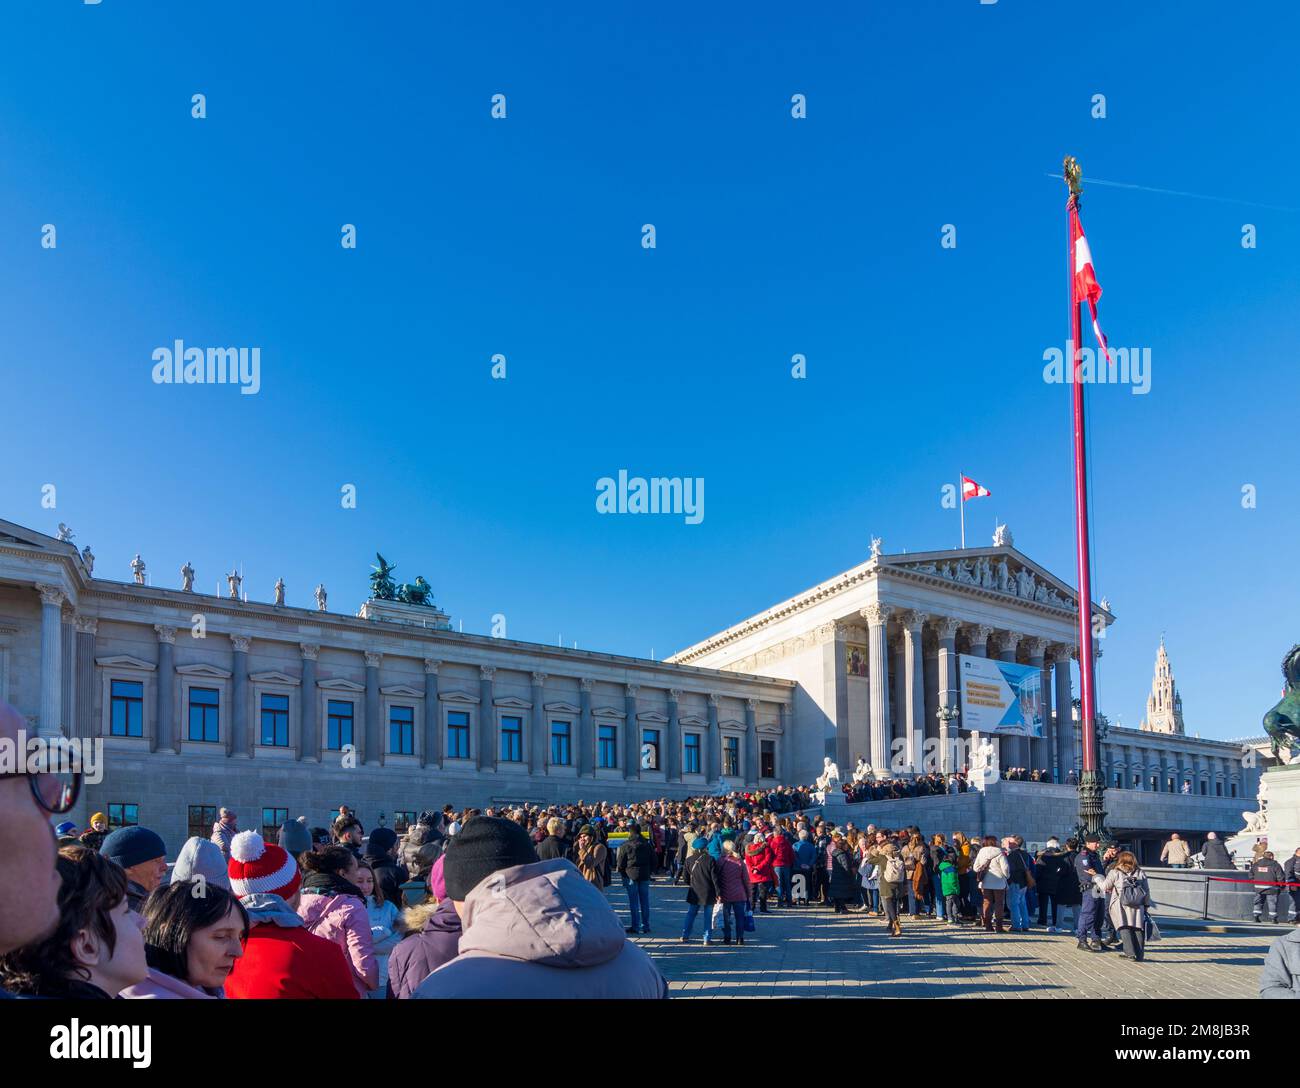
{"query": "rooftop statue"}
[(1283, 722), (417, 592), (382, 586)]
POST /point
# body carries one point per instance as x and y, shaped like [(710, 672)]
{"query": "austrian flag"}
[(1085, 285), (971, 490)]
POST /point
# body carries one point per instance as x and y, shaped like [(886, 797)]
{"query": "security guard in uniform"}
[(1088, 864)]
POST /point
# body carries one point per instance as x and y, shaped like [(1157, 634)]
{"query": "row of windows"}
[(127, 718), (1172, 785)]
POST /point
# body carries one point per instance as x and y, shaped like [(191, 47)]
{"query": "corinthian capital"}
[(431, 666), (586, 683), (165, 634), (945, 626), (876, 614), (310, 650), (86, 625), (1036, 646), (1006, 641), (241, 643), (979, 632), (539, 678), (51, 595), (487, 672)]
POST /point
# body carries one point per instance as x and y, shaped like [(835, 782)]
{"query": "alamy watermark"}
[(1127, 366), (33, 754), (657, 495), (179, 365)]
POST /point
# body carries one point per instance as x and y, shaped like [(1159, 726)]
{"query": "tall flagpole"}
[(961, 499), (1092, 813)]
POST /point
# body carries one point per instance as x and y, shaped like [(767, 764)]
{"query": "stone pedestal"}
[(1283, 817), (835, 810), (413, 615)]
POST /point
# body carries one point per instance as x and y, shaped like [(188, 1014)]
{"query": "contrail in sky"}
[(1177, 192)]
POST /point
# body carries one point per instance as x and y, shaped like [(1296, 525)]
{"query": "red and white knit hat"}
[(259, 866)]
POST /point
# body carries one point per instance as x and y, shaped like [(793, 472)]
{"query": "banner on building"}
[(1000, 697)]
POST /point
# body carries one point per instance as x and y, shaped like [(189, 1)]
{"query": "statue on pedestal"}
[(877, 545), (187, 578), (234, 580), (862, 772), (137, 569), (1282, 723), (279, 591), (65, 534), (320, 597), (417, 592), (382, 586), (88, 557)]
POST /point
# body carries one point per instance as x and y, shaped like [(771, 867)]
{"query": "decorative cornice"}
[(166, 634)]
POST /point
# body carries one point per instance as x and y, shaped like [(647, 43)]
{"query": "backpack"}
[(1132, 894), (893, 873)]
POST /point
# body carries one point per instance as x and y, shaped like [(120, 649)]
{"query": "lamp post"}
[(946, 715)]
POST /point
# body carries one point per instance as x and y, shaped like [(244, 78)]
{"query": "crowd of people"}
[(487, 903)]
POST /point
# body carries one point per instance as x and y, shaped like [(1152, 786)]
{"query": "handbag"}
[(749, 920)]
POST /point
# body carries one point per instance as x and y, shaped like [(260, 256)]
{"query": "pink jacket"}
[(158, 985), (343, 920)]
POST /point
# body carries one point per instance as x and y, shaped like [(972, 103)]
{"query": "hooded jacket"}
[(758, 860), (542, 930), (281, 959), (159, 985), (341, 917), (1281, 976), (434, 936)]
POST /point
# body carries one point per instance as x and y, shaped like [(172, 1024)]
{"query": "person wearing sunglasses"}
[(30, 891)]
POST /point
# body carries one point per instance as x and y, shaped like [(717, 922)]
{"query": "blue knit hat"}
[(66, 828), (131, 845)]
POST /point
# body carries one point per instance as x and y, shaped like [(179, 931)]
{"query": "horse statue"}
[(417, 592), (1282, 723)]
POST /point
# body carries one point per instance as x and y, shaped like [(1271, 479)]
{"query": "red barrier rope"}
[(1260, 883)]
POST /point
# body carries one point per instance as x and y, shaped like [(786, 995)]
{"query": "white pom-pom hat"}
[(259, 866)]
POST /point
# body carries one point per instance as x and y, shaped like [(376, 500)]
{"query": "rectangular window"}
[(767, 759), (121, 815), (1218, 789), (731, 756), (691, 754), (607, 746), (1119, 781), (205, 706), (275, 721), (338, 731), (1204, 787), (272, 818), (202, 817), (403, 819), (560, 739), (458, 734), (512, 740), (126, 718), (649, 749), (1234, 789), (401, 730)]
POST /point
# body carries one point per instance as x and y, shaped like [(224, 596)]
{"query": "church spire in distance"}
[(1164, 704)]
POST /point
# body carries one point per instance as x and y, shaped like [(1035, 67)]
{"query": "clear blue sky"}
[(775, 236)]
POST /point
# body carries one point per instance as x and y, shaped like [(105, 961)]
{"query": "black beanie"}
[(380, 842), (485, 845)]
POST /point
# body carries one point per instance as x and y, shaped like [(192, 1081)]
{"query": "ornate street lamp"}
[(946, 715)]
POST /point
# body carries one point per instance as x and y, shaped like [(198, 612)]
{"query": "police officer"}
[(1088, 864)]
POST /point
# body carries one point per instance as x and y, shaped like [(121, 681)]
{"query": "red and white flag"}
[(971, 490), (1085, 287)]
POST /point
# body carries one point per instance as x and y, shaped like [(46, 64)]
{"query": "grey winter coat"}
[(542, 930), (1281, 977), (1122, 917)]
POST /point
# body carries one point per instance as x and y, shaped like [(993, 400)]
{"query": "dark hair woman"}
[(96, 948), (333, 907), (193, 934)]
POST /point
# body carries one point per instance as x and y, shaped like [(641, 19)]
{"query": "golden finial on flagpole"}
[(1073, 177)]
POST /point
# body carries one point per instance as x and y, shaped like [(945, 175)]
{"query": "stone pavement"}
[(811, 952)]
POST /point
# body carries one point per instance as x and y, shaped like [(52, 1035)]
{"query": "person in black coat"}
[(843, 883), (555, 845), (381, 856), (636, 865), (703, 888), (1049, 875), (1215, 854)]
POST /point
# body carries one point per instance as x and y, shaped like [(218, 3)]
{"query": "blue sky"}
[(775, 236)]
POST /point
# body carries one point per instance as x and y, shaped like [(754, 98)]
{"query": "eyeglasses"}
[(55, 792)]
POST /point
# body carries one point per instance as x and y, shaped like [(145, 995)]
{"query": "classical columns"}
[(946, 630), (537, 749), (786, 738), (914, 671), (898, 705), (877, 616), (979, 639), (633, 738), (68, 671), (1063, 728), (51, 710), (375, 746), (308, 721), (751, 742), (241, 741), (164, 733), (1036, 748), (432, 754), (487, 759), (673, 741), (87, 626), (835, 693), (586, 731), (1005, 642), (715, 740)]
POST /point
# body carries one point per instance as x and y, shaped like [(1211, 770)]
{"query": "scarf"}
[(329, 884)]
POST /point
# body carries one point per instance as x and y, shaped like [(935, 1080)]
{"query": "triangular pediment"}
[(562, 708), (652, 716), (692, 720), (204, 670), (609, 712), (273, 677), (457, 697), (124, 661), (404, 690), (339, 684), (512, 702)]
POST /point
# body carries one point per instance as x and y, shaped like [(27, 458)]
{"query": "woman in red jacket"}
[(281, 959), (782, 865), (758, 860)]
